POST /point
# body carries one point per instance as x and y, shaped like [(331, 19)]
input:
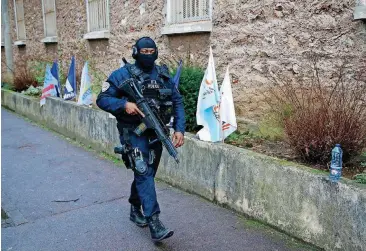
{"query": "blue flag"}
[(177, 74), (54, 72), (70, 86), (176, 84)]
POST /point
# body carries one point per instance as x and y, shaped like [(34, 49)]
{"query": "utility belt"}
[(132, 156)]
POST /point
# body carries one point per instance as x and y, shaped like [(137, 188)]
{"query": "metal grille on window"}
[(19, 10), (98, 15), (184, 11), (50, 18), (2, 33)]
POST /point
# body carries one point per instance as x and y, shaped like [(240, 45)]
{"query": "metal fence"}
[(98, 15), (185, 11)]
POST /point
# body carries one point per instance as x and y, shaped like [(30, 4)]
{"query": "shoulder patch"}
[(105, 86)]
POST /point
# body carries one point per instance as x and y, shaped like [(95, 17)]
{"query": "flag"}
[(49, 85), (176, 84), (177, 74), (227, 110), (54, 71), (208, 111), (85, 96), (70, 86)]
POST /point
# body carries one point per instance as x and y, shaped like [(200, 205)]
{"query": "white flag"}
[(49, 86), (227, 110), (85, 96), (208, 114)]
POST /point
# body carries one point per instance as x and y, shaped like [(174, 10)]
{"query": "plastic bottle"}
[(336, 164)]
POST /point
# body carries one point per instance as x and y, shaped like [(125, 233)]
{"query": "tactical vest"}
[(157, 92)]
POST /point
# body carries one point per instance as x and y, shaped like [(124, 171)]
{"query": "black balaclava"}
[(146, 62)]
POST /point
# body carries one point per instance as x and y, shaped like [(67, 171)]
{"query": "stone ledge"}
[(20, 43), (291, 197), (97, 35), (48, 40), (359, 12), (202, 26)]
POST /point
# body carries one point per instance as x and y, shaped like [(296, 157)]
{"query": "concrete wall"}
[(251, 36), (283, 194)]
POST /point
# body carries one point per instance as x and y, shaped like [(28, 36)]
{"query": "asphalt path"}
[(61, 196)]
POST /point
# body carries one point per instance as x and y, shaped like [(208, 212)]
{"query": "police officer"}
[(128, 115)]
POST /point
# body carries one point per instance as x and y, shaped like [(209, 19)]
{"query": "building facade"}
[(248, 35)]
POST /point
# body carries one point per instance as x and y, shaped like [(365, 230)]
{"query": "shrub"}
[(189, 86), (33, 91), (7, 81), (317, 114), (30, 71), (23, 77)]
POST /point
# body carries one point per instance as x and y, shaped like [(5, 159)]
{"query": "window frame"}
[(2, 33), (49, 39), (185, 27), (20, 41), (98, 34)]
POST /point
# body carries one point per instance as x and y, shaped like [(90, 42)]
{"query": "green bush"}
[(33, 91), (189, 86)]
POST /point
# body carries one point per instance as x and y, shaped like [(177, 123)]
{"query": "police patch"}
[(153, 85), (105, 86)]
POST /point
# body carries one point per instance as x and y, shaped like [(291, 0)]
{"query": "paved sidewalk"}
[(58, 196)]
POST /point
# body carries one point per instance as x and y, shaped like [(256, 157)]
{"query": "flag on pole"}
[(208, 109), (227, 110), (176, 85), (49, 85), (177, 74), (54, 71), (85, 96), (70, 87)]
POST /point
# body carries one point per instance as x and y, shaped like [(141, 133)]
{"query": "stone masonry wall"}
[(251, 36)]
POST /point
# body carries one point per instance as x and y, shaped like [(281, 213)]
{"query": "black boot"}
[(137, 217), (157, 229)]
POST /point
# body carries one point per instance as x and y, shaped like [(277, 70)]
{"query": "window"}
[(98, 19), (98, 15), (2, 32), (19, 19), (188, 16), (49, 19)]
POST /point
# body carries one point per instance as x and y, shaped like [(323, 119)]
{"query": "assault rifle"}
[(152, 119)]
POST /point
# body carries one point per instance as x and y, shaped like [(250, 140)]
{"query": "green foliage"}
[(271, 127), (97, 78), (38, 69), (189, 86), (360, 178), (33, 91), (244, 139)]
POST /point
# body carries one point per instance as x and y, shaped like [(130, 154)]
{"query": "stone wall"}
[(251, 36), (286, 195)]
